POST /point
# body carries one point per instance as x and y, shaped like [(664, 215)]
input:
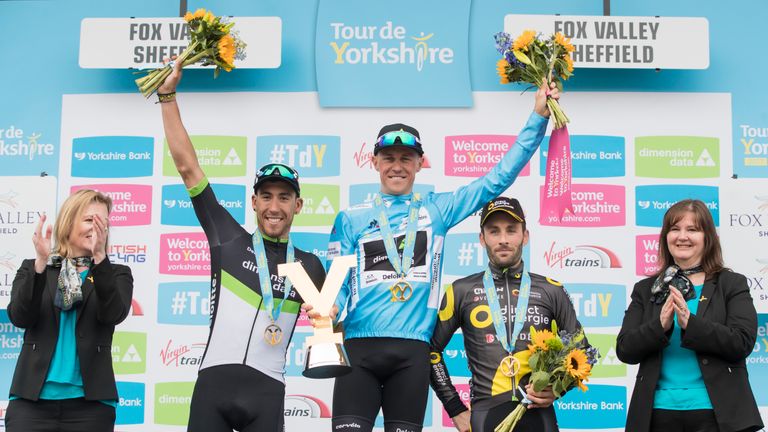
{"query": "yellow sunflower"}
[(525, 39), (209, 17), (576, 365), (564, 42), (199, 13), (501, 69), (539, 340), (581, 385), (226, 52)]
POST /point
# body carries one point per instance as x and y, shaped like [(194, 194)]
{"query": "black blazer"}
[(107, 292), (722, 333)]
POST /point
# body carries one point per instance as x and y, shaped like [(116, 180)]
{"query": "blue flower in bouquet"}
[(593, 354), (503, 42)]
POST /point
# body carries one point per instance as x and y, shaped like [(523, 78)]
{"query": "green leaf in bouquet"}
[(533, 361), (540, 380), (559, 388), (554, 328)]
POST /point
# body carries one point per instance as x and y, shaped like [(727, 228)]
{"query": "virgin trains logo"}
[(581, 256)]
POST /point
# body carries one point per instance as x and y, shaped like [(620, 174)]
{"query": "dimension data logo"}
[(677, 157), (130, 406), (475, 155), (131, 204), (185, 254), (129, 353), (419, 47), (750, 157), (172, 400), (594, 205), (183, 303), (112, 156), (581, 256), (321, 203), (598, 305), (177, 205), (654, 201), (310, 155), (218, 155), (591, 156), (18, 147), (608, 365)]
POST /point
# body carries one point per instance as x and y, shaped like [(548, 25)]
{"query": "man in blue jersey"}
[(391, 298)]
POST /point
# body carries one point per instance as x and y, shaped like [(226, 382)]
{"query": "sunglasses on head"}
[(406, 138), (282, 170)]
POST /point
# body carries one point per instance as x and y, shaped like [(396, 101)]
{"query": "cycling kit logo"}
[(17, 148), (365, 193), (177, 205), (598, 305), (127, 253), (182, 355), (172, 401), (112, 156), (757, 362), (591, 156), (218, 155), (647, 253), (305, 406), (129, 353), (185, 254), (407, 45), (183, 303), (131, 204), (677, 157), (594, 205), (310, 155), (11, 340), (321, 203), (609, 365), (130, 405), (581, 256), (653, 201), (602, 407), (475, 155), (752, 151)]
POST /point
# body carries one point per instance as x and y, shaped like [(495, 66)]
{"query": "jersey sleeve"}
[(440, 380), (458, 205), (340, 243), (219, 226)]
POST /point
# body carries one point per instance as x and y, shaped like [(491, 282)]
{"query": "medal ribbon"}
[(265, 279), (401, 267), (521, 310)]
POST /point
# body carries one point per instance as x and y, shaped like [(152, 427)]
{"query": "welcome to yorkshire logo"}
[(385, 44)]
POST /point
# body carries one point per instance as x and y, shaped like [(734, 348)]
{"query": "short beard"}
[(514, 260)]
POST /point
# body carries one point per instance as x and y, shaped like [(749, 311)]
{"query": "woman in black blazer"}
[(68, 301), (690, 327)]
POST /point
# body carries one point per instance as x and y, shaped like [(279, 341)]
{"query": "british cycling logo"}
[(581, 256), (387, 43), (127, 253)]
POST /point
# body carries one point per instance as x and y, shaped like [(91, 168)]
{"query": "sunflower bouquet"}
[(212, 42), (531, 59), (561, 360)]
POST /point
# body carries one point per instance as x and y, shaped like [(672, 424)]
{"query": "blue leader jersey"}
[(370, 306)]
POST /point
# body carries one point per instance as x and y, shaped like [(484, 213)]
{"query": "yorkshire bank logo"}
[(185, 254), (314, 243), (131, 204), (581, 256), (419, 47), (305, 406), (455, 356), (112, 156), (130, 406), (677, 157), (310, 155), (653, 201), (597, 304), (177, 206), (753, 150), (757, 362), (218, 155), (602, 407), (182, 355), (475, 155), (321, 203), (594, 205), (591, 156)]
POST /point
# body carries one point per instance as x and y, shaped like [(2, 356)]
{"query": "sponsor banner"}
[(112, 156), (185, 254), (178, 354), (130, 406), (604, 405), (475, 155), (131, 204), (364, 193), (127, 253), (305, 406), (20, 147), (747, 206), (597, 304), (177, 205), (185, 303), (314, 243), (594, 205), (464, 394), (172, 401), (609, 365), (750, 154), (140, 43), (757, 362), (627, 42), (647, 254), (218, 155), (455, 357), (129, 353), (11, 340), (677, 157), (22, 201), (416, 53), (296, 354), (580, 257), (654, 200), (363, 156), (310, 155), (321, 203), (591, 156)]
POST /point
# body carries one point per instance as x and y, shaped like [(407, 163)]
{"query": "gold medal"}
[(509, 366), (401, 291), (273, 334)]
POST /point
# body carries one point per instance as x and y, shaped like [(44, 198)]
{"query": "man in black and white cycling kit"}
[(240, 384)]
